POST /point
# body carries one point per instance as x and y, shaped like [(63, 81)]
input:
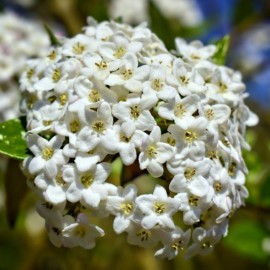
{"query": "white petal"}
[(120, 224), (55, 195), (155, 168)]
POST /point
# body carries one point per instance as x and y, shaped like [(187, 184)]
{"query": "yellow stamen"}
[(47, 153)]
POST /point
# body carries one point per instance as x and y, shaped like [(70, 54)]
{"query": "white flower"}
[(176, 242), (223, 87), (122, 206), (120, 140), (96, 124), (204, 241), (186, 78), (54, 189), (87, 187), (44, 114), (157, 209), (222, 186), (192, 205), (54, 220), (190, 136), (157, 84), (69, 126), (142, 237), (154, 152), (135, 112), (129, 74), (90, 94), (81, 233), (97, 67), (118, 47), (195, 51), (48, 154), (179, 108), (86, 160), (191, 175), (79, 45)]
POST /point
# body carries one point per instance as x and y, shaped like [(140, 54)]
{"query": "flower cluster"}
[(116, 92), (20, 40), (187, 12)]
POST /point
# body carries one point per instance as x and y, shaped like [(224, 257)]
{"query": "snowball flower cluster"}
[(115, 92), (20, 40)]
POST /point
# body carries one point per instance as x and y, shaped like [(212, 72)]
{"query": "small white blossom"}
[(157, 209), (122, 206), (81, 233), (176, 242), (87, 187), (48, 154), (154, 152), (204, 241)]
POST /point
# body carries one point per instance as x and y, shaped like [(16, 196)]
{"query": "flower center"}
[(159, 208), (87, 179), (157, 84), (183, 79), (177, 245), (127, 208), (190, 136), (231, 169), (206, 244), (47, 153), (179, 110), (98, 126), (29, 74), (80, 231), (101, 65), (56, 75), (94, 96), (78, 48), (135, 111), (52, 55), (222, 87), (126, 74), (47, 123), (218, 186), (124, 138), (212, 154), (144, 235), (189, 173), (151, 152), (59, 180), (63, 99), (120, 52), (193, 200), (171, 141), (74, 126), (209, 114)]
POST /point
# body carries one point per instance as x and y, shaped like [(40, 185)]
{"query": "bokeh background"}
[(23, 241)]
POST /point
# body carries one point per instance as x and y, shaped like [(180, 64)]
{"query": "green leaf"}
[(246, 237), (54, 40), (222, 48), (12, 139)]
